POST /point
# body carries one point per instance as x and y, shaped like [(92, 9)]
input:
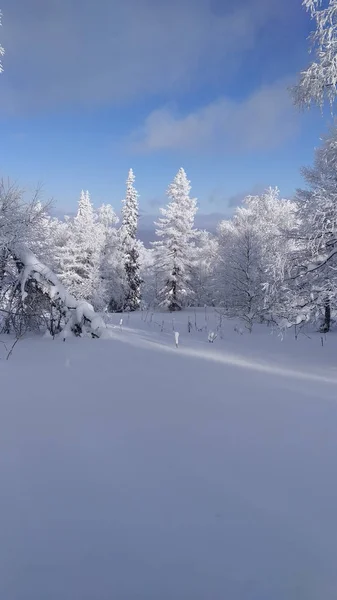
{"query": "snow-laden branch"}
[(315, 266), (312, 5), (318, 82), (78, 311)]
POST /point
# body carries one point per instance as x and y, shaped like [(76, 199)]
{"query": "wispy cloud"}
[(262, 121), (61, 53), (237, 199), (157, 201)]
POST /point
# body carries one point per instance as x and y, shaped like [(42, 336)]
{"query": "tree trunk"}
[(327, 316)]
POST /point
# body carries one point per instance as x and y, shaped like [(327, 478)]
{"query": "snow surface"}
[(135, 470)]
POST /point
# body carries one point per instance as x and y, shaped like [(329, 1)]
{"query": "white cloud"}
[(262, 121), (61, 53)]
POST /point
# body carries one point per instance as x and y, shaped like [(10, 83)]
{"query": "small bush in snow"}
[(212, 337)]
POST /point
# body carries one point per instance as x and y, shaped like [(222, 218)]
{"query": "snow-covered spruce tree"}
[(318, 82), (175, 251), (130, 213), (80, 257), (2, 51)]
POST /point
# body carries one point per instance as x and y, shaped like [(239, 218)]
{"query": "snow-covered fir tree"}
[(175, 250), (130, 213), (80, 257)]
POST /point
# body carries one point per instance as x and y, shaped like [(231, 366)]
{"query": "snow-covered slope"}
[(133, 470)]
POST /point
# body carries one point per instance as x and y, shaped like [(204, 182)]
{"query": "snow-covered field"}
[(133, 470)]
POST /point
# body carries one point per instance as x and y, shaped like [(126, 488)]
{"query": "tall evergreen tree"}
[(130, 213), (175, 249), (80, 258)]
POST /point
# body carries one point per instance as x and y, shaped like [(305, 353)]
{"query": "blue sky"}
[(91, 89)]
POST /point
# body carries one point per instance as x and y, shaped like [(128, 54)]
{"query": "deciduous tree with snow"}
[(112, 274), (253, 257), (240, 272), (175, 251), (203, 268), (317, 208), (130, 214), (20, 224), (318, 82)]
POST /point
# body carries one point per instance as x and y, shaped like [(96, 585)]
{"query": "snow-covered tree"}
[(241, 273), (174, 252), (318, 82), (276, 220), (253, 253), (2, 51), (31, 295), (112, 273), (80, 257), (22, 222), (43, 243), (317, 209), (130, 213), (150, 276), (203, 268), (60, 235)]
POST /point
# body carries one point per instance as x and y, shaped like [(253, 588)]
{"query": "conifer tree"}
[(80, 259), (130, 213), (175, 250)]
